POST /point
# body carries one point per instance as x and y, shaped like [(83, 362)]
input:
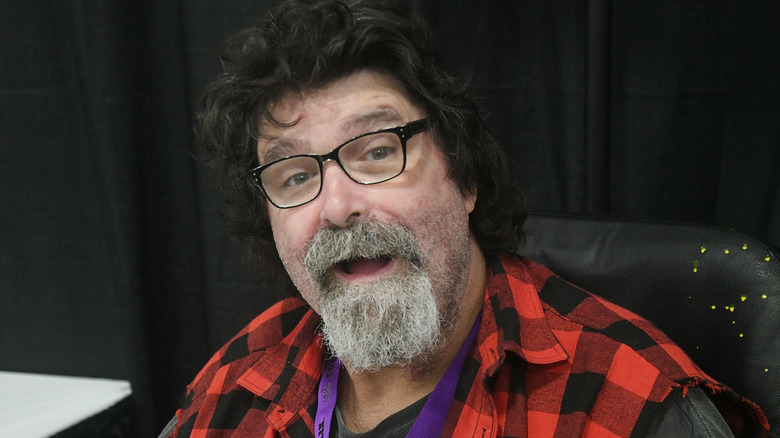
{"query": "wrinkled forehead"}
[(285, 109)]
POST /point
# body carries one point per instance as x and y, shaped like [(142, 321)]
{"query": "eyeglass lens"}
[(369, 159)]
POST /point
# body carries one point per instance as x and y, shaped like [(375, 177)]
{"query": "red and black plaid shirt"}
[(551, 360)]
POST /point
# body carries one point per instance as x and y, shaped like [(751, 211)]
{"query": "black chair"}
[(715, 292)]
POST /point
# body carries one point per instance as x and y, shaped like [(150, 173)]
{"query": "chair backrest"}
[(715, 292)]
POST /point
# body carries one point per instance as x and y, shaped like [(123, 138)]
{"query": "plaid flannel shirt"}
[(551, 360)]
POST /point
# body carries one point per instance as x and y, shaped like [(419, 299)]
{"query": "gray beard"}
[(392, 321)]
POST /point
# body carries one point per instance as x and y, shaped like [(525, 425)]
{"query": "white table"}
[(37, 405)]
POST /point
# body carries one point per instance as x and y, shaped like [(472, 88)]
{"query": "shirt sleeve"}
[(691, 416)]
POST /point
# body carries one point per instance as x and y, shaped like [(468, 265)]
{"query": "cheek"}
[(445, 223), (290, 243), (286, 239), (291, 230), (290, 236)]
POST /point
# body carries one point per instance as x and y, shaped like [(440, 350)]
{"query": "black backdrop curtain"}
[(114, 262)]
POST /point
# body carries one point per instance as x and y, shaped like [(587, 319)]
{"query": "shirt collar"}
[(287, 374), (513, 315)]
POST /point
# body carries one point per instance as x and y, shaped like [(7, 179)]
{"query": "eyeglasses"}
[(370, 158)]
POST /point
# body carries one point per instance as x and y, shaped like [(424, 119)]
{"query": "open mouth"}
[(364, 267)]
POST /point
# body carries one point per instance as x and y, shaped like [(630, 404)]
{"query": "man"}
[(352, 160)]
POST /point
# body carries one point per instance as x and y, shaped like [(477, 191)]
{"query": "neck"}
[(367, 398)]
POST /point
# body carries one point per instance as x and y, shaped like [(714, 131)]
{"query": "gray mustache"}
[(362, 240)]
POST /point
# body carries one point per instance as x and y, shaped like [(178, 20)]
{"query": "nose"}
[(341, 198)]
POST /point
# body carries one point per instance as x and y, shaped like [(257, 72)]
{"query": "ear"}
[(470, 199)]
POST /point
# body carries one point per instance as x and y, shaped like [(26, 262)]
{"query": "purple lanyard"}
[(431, 420)]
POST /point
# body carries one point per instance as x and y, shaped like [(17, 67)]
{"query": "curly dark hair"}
[(306, 44)]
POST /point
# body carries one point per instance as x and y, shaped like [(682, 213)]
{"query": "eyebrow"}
[(369, 122), (278, 148)]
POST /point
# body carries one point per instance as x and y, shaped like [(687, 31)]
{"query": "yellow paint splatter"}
[(741, 335), (714, 307), (743, 297), (767, 258), (744, 246), (763, 297), (766, 370), (695, 266), (703, 248), (733, 322), (726, 251), (731, 309)]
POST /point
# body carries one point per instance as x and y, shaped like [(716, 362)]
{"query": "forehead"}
[(346, 107), (362, 88)]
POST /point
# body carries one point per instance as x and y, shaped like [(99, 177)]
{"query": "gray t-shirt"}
[(394, 426)]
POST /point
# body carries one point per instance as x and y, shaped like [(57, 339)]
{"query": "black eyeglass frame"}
[(404, 133)]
